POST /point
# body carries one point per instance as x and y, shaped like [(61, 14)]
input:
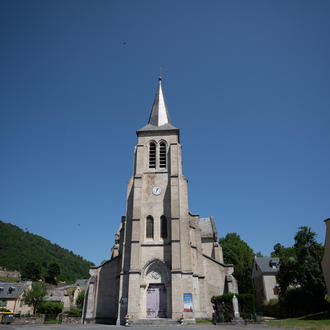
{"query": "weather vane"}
[(160, 72)]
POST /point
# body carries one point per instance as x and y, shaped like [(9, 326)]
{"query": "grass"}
[(9, 279), (314, 321), (203, 320)]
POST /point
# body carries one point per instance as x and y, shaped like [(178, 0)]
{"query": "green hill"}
[(17, 248)]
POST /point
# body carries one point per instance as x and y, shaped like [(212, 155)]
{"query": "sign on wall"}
[(187, 302)]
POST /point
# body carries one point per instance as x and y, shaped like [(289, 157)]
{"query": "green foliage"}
[(52, 319), (3, 309), (50, 307), (31, 271), (225, 303), (282, 252), (36, 249), (52, 273), (74, 312), (298, 302), (80, 299), (35, 295), (271, 308), (300, 278), (238, 253)]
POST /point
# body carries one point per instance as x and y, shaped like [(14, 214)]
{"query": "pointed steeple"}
[(159, 117), (159, 114)]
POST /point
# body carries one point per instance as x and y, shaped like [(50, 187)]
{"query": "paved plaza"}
[(113, 327)]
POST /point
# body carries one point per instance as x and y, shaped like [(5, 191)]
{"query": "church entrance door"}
[(156, 301)]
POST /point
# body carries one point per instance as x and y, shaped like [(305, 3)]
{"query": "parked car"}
[(6, 317)]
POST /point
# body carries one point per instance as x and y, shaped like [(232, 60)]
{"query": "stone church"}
[(166, 262)]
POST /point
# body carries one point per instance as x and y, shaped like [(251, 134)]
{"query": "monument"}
[(166, 262)]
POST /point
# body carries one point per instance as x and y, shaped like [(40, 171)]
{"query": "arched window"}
[(150, 227), (163, 226), (162, 155), (152, 155)]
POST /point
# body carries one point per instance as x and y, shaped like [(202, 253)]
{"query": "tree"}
[(237, 252), (300, 267), (80, 299), (309, 256), (35, 295), (31, 271), (282, 252), (50, 307), (52, 273)]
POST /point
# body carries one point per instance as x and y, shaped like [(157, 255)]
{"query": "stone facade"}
[(166, 261), (66, 294)]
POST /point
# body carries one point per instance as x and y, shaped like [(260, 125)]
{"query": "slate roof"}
[(12, 290), (159, 117), (268, 264), (56, 293), (82, 284)]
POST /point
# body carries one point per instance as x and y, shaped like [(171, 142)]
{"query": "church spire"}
[(159, 117), (159, 114)]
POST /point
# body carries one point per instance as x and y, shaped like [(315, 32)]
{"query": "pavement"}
[(113, 327)]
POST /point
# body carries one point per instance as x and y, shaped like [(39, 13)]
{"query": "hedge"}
[(50, 307), (245, 303)]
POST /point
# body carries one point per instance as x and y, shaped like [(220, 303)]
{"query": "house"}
[(11, 297), (264, 278), (326, 256), (66, 294)]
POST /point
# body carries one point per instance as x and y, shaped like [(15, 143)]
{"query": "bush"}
[(80, 299), (245, 302), (2, 309), (297, 302), (271, 308), (74, 312), (50, 307)]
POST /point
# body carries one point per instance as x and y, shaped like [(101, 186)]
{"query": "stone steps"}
[(153, 322)]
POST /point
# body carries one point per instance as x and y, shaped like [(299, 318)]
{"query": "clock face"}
[(156, 191)]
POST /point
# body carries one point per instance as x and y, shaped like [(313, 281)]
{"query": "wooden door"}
[(156, 301)]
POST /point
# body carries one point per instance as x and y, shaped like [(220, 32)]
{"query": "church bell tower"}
[(157, 212)]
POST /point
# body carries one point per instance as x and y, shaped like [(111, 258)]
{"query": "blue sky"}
[(247, 83)]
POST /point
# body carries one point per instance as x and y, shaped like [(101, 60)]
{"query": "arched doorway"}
[(156, 279)]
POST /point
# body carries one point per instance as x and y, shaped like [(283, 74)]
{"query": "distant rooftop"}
[(268, 264)]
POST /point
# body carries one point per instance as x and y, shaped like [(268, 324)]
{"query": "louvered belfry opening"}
[(163, 228), (152, 155), (162, 155), (150, 227)]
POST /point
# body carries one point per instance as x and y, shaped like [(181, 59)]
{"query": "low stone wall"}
[(71, 319), (29, 320)]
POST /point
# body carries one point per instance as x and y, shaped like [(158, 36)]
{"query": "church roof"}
[(159, 117)]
